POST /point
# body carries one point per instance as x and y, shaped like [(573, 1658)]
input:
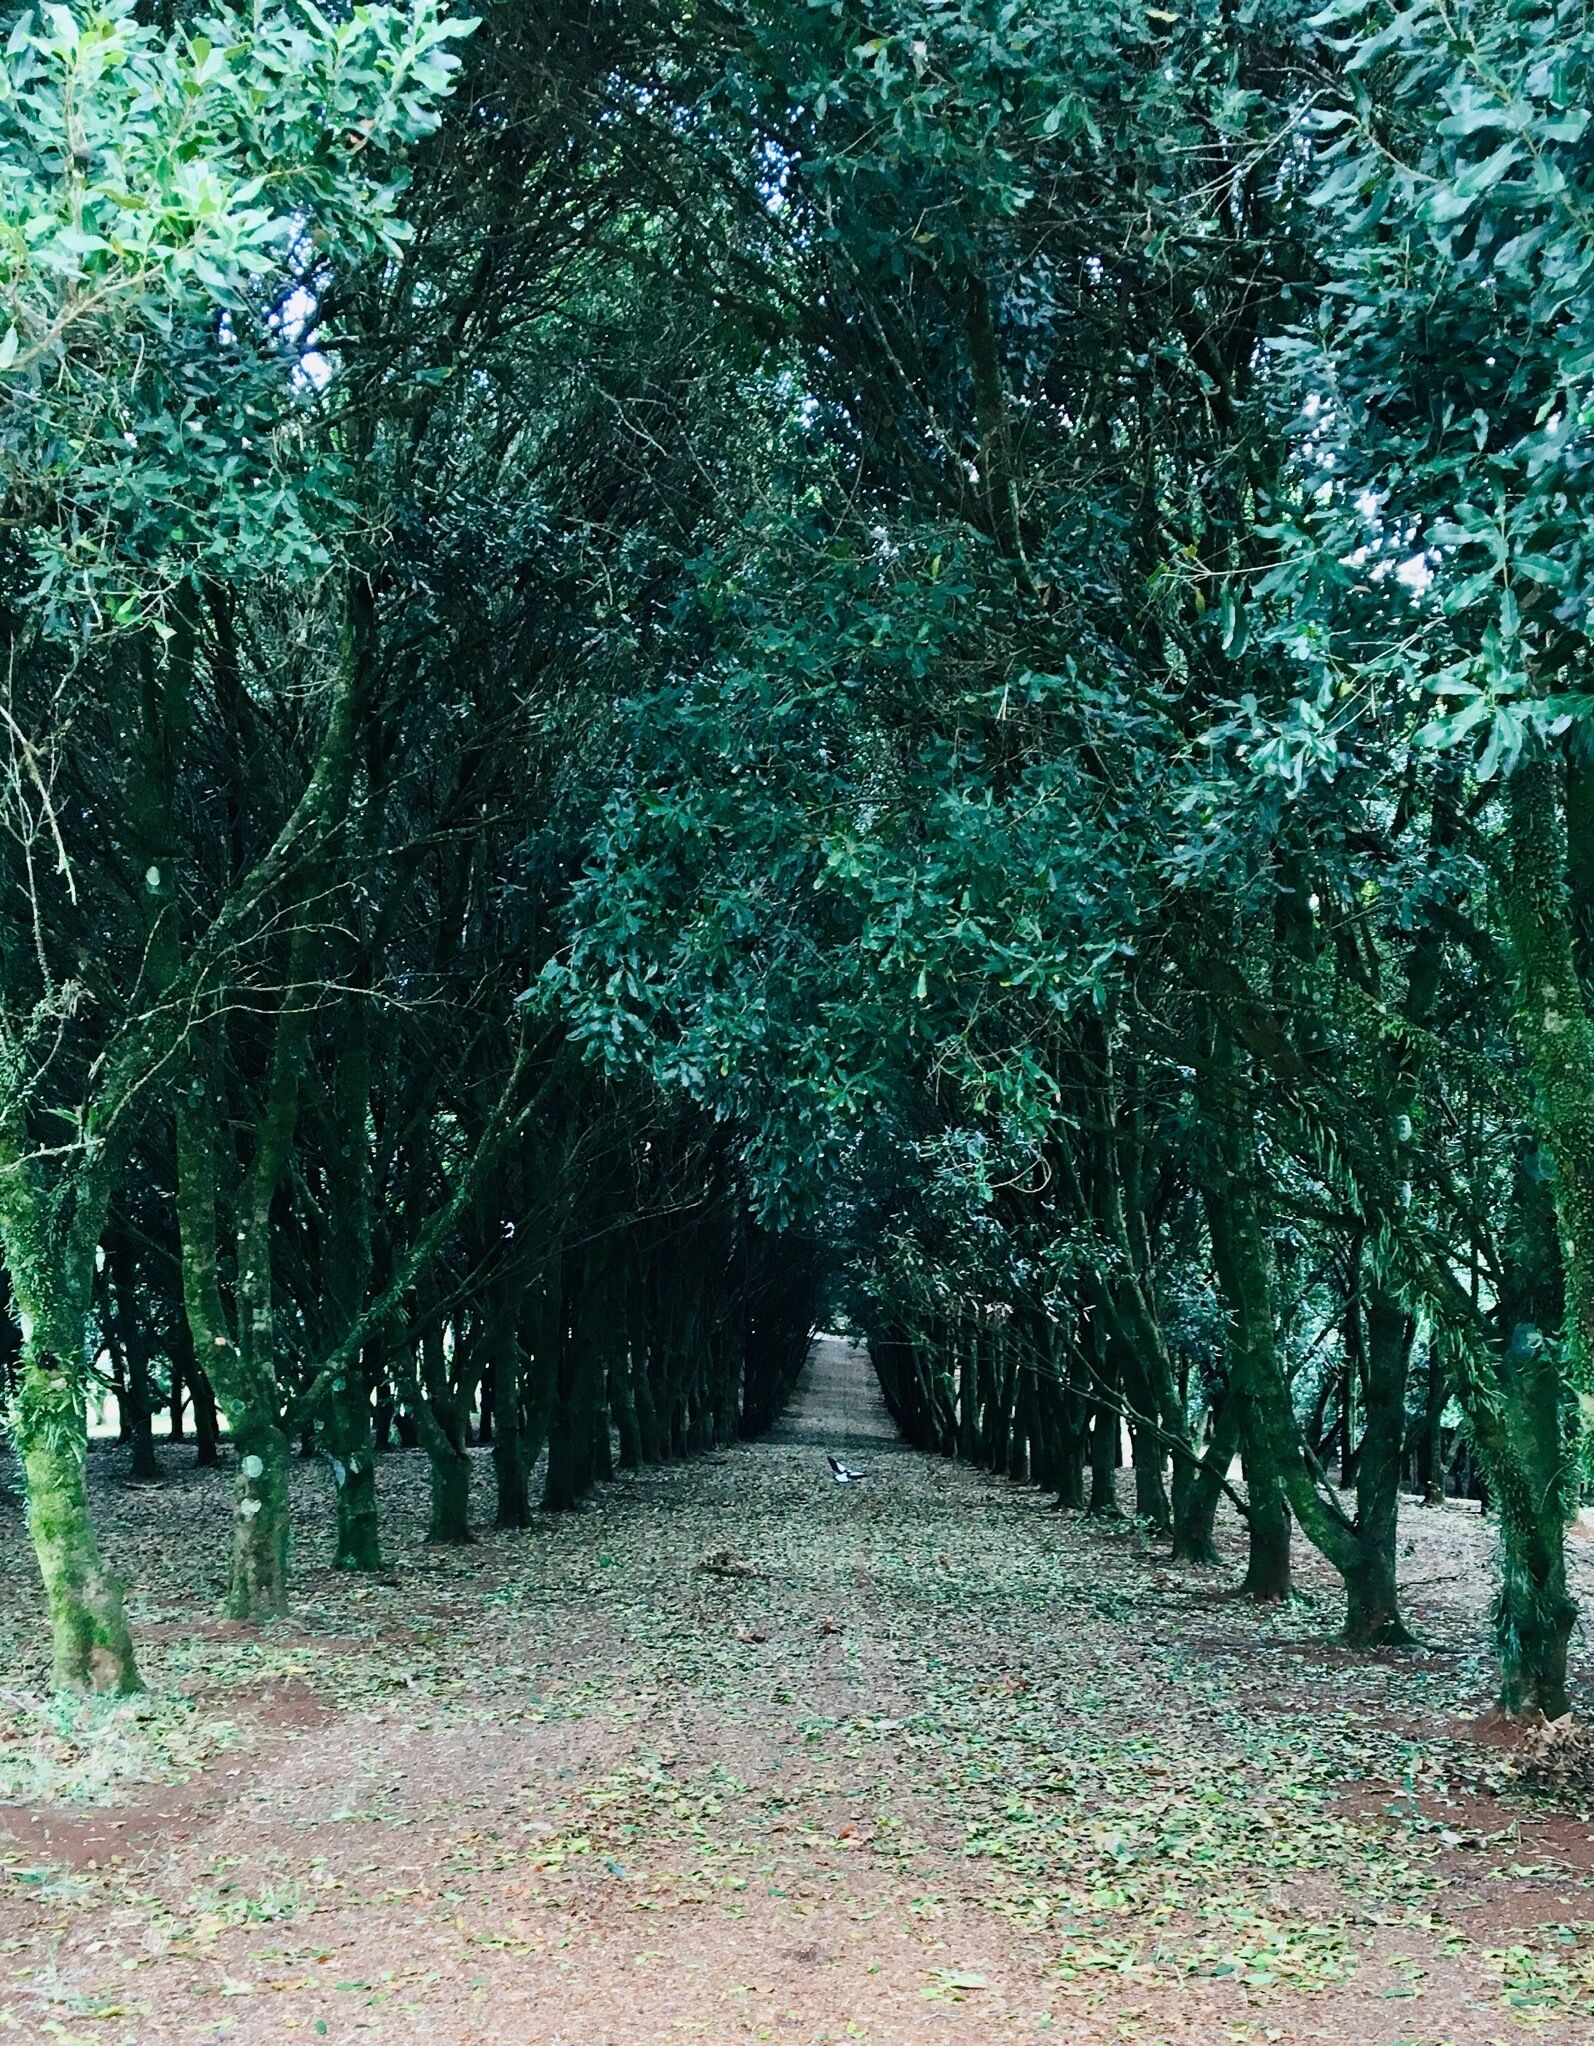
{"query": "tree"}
[(151, 438)]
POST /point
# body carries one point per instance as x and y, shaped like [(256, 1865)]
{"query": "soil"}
[(950, 1765)]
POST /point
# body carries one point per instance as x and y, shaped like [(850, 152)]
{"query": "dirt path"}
[(949, 1765)]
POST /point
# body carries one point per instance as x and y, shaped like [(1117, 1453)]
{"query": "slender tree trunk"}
[(968, 1395), (207, 1425), (261, 1523), (1145, 1371), (570, 1425), (1103, 1501), (1348, 1379), (623, 1406), (443, 1425), (1372, 1616), (449, 1466), (650, 1432), (1073, 1415), (941, 1363), (51, 1279), (1267, 1566), (1196, 1515), (347, 1429), (1145, 1447), (136, 1397), (207, 1422), (242, 1363), (1075, 1455), (349, 1440), (1151, 1497), (1023, 1427), (92, 1646), (1240, 1260), (242, 1368), (511, 1465), (1536, 1613), (1430, 1441), (602, 1440), (1276, 1464), (570, 1444)]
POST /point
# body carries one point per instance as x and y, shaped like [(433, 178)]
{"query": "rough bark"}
[(92, 1647), (1535, 1612), (49, 1250), (261, 1526)]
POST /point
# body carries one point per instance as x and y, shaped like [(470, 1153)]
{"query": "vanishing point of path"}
[(744, 1754)]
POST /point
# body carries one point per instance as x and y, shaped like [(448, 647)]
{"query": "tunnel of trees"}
[(671, 666)]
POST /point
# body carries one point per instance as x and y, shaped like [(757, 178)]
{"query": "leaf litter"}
[(743, 1754)]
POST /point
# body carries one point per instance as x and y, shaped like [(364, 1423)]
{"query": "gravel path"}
[(743, 1754)]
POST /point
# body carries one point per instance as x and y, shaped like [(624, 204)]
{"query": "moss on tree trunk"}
[(261, 1525), (92, 1648), (1539, 1488), (50, 1244)]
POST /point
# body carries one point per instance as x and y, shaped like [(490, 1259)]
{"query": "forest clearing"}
[(945, 1764)]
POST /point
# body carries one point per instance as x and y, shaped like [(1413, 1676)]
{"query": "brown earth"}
[(951, 1765)]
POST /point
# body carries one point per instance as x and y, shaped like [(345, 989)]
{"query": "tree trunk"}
[(207, 1423), (136, 1396), (1239, 1258), (92, 1646), (969, 1396), (564, 1482), (347, 1431), (1267, 1577), (1151, 1497), (242, 1368), (1535, 1611), (1276, 1465), (1196, 1512), (52, 1280), (1022, 1427), (261, 1525), (511, 1465), (1372, 1614), (650, 1434), (443, 1425), (349, 1440), (1347, 1397), (573, 1360), (1071, 1474), (1071, 1419), (1430, 1441), (449, 1465), (1103, 1501)]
